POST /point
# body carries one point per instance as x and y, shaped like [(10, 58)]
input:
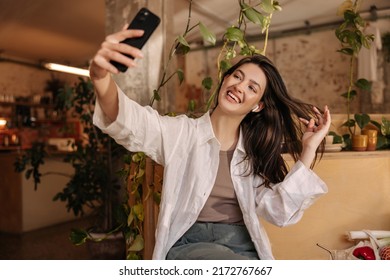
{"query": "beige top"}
[(222, 205)]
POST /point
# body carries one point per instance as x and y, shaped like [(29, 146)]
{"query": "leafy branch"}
[(352, 38), (235, 37)]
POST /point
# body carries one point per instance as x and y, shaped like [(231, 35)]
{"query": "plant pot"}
[(111, 248), (372, 135), (359, 142)]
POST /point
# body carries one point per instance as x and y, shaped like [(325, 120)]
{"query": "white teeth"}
[(234, 97)]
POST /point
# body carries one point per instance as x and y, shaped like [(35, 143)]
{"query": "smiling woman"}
[(242, 137)]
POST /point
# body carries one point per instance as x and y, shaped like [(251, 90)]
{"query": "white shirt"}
[(189, 152)]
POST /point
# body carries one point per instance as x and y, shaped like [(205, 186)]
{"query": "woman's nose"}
[(239, 88)]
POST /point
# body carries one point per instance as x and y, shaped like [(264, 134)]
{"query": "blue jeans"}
[(214, 241)]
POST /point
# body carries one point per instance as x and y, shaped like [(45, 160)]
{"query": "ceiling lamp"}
[(67, 69)]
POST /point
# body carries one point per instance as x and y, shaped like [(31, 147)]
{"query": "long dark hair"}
[(274, 130)]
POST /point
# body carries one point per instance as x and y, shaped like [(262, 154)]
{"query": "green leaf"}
[(157, 197), (252, 14), (268, 6), (140, 173), (277, 6), (376, 124), (382, 142), (234, 34), (230, 54), (130, 218), (133, 256), (139, 211), (28, 173), (191, 105), (363, 84), (78, 236), (183, 41), (207, 35), (207, 83), (138, 244), (349, 123), (362, 120), (351, 95), (350, 16), (183, 47), (137, 157), (156, 95), (180, 75), (225, 65), (347, 51), (367, 40)]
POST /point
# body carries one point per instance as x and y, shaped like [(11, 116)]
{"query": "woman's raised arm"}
[(101, 68)]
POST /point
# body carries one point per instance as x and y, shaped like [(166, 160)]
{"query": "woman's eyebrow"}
[(253, 81), (256, 83)]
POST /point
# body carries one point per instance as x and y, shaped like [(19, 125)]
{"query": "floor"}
[(50, 243)]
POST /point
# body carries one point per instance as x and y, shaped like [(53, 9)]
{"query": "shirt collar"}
[(205, 128), (207, 133)]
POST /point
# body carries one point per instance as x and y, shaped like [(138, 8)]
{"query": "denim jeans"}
[(214, 241)]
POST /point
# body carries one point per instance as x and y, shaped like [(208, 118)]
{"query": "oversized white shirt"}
[(189, 152)]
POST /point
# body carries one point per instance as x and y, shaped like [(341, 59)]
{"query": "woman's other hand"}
[(315, 132)]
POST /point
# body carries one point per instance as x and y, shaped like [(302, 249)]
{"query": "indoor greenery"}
[(351, 35), (94, 184)]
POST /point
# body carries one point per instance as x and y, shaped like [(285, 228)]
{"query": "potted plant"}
[(352, 39), (359, 141), (94, 186)]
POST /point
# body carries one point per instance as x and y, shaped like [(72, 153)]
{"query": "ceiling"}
[(70, 31)]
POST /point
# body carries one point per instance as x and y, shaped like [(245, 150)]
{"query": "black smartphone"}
[(146, 21)]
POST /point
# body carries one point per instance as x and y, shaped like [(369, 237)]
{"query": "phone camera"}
[(144, 16)]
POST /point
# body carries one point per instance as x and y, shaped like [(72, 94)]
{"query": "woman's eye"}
[(252, 88), (236, 76)]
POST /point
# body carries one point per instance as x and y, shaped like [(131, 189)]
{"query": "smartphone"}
[(146, 21)]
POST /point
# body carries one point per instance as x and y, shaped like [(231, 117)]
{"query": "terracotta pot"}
[(359, 142), (372, 135)]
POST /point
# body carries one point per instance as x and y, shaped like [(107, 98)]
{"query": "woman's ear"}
[(258, 107)]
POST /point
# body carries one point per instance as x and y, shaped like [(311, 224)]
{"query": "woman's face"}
[(242, 90)]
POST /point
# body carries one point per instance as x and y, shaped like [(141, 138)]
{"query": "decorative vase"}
[(359, 142)]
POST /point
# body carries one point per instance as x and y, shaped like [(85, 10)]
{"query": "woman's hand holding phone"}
[(116, 54), (119, 50), (113, 49)]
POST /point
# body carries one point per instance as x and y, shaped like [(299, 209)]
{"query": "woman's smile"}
[(232, 97)]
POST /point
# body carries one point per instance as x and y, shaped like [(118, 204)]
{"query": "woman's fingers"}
[(310, 124), (124, 34), (112, 49)]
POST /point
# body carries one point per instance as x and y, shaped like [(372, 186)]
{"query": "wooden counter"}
[(358, 198), (24, 209)]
